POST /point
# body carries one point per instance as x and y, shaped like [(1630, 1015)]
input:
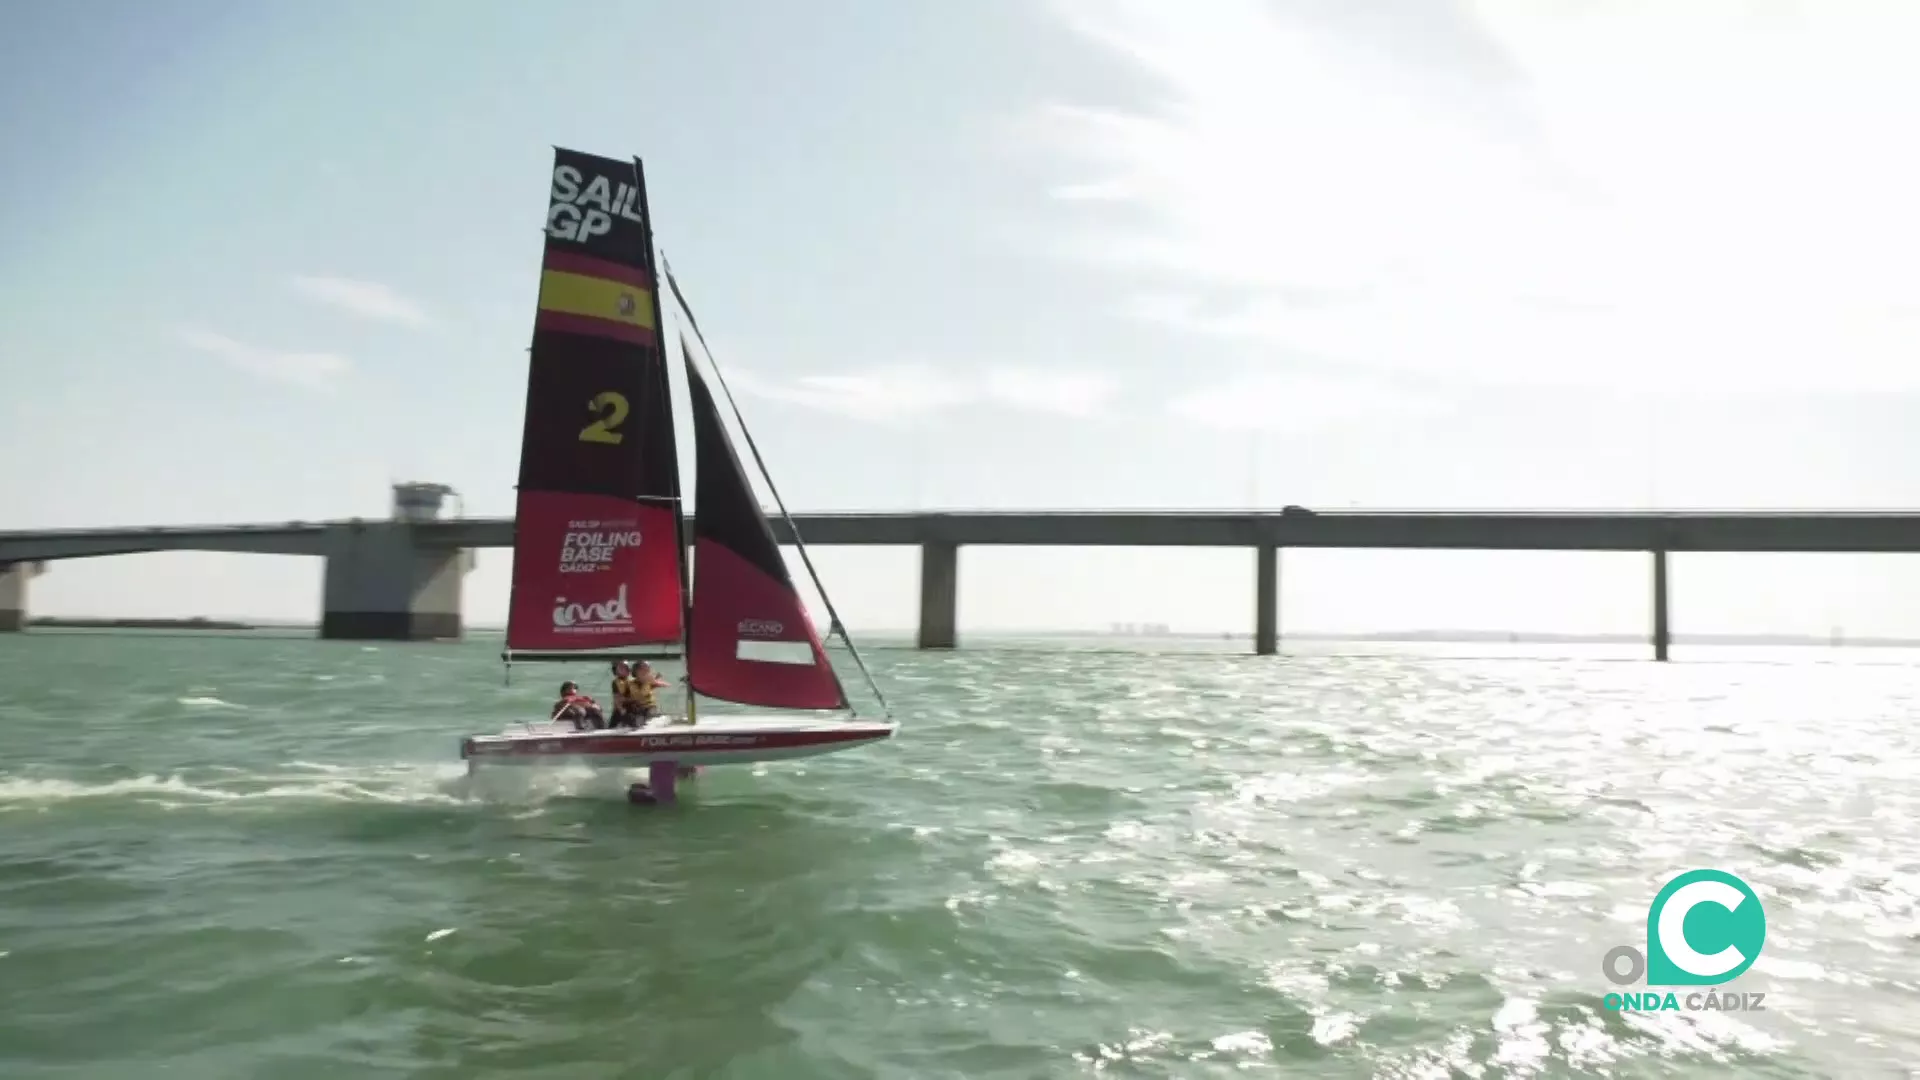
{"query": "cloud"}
[(1294, 402), (313, 371), (881, 396), (367, 299), (897, 395), (1604, 194), (1066, 393)]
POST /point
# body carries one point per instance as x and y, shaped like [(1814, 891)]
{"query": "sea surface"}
[(259, 856)]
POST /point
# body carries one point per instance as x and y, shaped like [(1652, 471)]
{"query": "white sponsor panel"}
[(758, 640)]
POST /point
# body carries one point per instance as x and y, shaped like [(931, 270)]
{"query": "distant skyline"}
[(1001, 254)]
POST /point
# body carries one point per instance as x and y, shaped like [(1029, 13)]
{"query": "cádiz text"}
[(1709, 1001)]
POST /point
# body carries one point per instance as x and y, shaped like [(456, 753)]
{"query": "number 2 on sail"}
[(610, 408)]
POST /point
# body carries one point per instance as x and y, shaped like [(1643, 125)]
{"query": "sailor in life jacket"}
[(577, 708), (622, 695), (635, 694)]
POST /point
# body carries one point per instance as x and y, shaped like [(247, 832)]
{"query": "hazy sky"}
[(263, 259)]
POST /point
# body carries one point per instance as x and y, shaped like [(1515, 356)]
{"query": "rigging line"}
[(806, 560)]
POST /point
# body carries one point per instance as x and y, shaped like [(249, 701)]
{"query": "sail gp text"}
[(581, 213), (591, 549)]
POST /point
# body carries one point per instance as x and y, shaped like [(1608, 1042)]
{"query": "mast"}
[(679, 502), (598, 568), (682, 540)]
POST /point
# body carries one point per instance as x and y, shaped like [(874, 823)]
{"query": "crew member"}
[(622, 676), (577, 708), (641, 703)]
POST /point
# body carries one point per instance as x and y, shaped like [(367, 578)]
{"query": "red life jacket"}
[(573, 705)]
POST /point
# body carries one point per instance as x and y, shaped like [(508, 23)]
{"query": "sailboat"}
[(601, 569)]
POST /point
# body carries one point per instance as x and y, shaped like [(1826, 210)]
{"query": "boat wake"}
[(425, 784)]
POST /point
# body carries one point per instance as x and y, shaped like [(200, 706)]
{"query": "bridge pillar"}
[(939, 594), (380, 587), (1266, 599), (14, 577), (1662, 635)]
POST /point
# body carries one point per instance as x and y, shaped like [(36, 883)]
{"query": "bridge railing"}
[(277, 528)]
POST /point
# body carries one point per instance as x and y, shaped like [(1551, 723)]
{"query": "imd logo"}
[(1704, 928)]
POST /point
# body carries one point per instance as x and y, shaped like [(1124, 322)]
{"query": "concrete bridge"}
[(401, 578)]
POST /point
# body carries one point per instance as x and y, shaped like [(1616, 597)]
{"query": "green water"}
[(259, 857)]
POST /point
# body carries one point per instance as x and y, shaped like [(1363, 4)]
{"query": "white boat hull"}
[(720, 740)]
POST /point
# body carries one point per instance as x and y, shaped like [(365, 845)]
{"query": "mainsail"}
[(598, 561), (750, 639)]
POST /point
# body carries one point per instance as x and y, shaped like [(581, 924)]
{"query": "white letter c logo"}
[(1673, 934)]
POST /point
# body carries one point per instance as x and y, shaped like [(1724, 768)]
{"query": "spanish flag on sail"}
[(580, 294)]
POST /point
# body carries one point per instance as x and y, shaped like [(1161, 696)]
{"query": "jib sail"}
[(750, 640), (597, 562)]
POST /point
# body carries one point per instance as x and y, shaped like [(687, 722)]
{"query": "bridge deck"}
[(1559, 530)]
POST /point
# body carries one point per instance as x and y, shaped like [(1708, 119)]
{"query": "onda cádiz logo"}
[(592, 618), (1704, 928)]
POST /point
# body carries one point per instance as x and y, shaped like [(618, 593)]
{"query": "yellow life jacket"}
[(640, 691)]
